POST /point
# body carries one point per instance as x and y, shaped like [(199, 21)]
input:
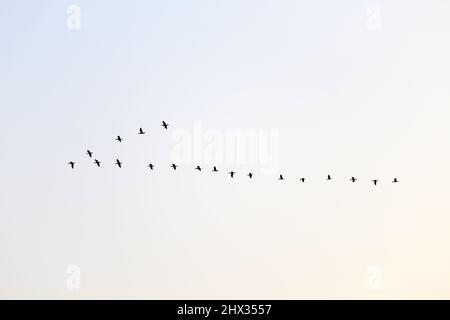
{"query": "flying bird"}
[(97, 162), (141, 131), (302, 180), (250, 175), (165, 125), (174, 166), (198, 168), (89, 153), (328, 177), (375, 181), (281, 177), (232, 173), (119, 139), (353, 179), (72, 164), (119, 164), (395, 180), (150, 166), (215, 169)]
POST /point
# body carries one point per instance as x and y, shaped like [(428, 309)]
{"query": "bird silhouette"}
[(232, 173)]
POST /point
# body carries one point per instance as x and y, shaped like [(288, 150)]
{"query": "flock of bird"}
[(231, 173)]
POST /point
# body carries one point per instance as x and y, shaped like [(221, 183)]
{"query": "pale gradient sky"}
[(345, 100)]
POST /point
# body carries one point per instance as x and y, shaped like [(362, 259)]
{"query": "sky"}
[(355, 88)]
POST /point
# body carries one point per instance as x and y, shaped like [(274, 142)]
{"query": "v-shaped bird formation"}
[(232, 174)]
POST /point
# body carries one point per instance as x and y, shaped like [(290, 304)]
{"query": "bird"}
[(119, 139), (302, 180), (328, 177), (165, 125), (72, 164), (375, 181), (250, 175), (353, 179), (150, 166), (198, 168), (97, 162), (119, 163), (395, 180), (215, 169), (174, 166), (141, 131), (232, 173), (281, 177), (89, 153)]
